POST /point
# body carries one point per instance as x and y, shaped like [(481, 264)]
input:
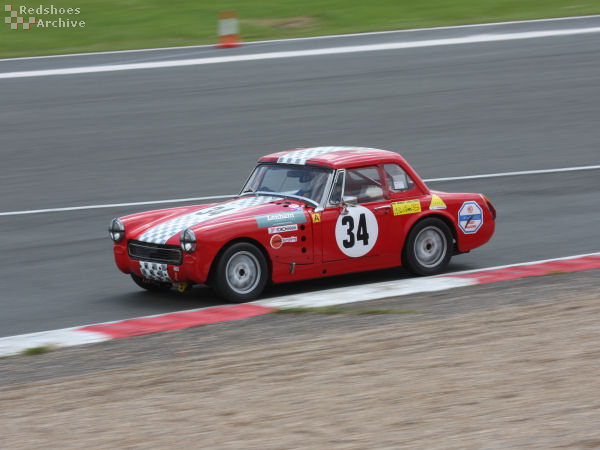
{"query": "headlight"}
[(187, 240), (116, 230)]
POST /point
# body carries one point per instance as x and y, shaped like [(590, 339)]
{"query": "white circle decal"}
[(356, 232)]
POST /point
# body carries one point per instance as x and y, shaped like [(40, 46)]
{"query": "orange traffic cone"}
[(228, 29)]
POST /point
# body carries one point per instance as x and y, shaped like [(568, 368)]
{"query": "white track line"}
[(475, 39), (114, 205), (214, 197), (528, 263), (513, 174), (329, 36)]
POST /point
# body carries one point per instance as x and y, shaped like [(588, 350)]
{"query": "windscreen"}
[(306, 181)]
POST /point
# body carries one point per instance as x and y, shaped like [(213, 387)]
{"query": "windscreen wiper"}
[(279, 194)]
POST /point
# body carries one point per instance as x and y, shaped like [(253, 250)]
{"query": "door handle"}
[(383, 207)]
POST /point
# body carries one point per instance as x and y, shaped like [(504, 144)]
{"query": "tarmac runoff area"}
[(507, 364)]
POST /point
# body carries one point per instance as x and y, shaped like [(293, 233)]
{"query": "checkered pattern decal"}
[(160, 234), (155, 271), (14, 20), (303, 155)]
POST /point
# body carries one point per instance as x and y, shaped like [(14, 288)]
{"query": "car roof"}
[(334, 157)]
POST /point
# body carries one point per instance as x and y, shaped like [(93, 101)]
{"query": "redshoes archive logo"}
[(14, 20), (37, 17)]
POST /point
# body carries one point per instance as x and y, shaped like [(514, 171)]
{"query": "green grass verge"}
[(340, 310), (38, 350), (133, 24)]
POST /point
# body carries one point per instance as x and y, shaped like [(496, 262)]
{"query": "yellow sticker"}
[(437, 202), (407, 207), (316, 217)]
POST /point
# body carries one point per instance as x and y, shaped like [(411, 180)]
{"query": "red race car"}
[(304, 213)]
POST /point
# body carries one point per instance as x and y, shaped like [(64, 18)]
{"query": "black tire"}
[(428, 247), (240, 273), (150, 285)]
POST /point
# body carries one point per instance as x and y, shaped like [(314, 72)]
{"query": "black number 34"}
[(361, 232)]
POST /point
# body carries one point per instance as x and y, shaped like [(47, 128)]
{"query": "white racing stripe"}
[(474, 39), (162, 232), (304, 154), (215, 197)]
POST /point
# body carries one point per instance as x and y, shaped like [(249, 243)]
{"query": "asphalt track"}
[(165, 133)]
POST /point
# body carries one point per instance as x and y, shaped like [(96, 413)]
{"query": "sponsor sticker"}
[(276, 219), (470, 217), (406, 207), (283, 229), (277, 241), (316, 217), (437, 202)]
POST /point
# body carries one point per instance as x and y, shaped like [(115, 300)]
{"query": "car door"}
[(406, 202), (357, 219)]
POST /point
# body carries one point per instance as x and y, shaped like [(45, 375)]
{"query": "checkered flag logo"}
[(154, 271), (14, 20)]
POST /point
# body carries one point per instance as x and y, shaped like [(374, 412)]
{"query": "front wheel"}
[(241, 273), (427, 249)]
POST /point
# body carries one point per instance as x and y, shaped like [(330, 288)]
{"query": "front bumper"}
[(191, 270)]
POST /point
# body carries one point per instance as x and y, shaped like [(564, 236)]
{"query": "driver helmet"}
[(306, 183)]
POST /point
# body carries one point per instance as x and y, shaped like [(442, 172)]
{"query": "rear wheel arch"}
[(436, 221), (447, 220)]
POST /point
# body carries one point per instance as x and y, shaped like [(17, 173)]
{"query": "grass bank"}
[(133, 24)]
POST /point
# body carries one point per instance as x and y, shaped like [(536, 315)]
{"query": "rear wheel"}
[(150, 285), (241, 273), (427, 249)]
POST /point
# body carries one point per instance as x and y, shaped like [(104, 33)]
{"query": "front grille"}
[(158, 253)]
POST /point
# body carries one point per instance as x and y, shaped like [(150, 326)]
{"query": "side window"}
[(397, 179), (364, 184)]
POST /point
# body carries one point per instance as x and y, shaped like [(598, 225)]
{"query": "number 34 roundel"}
[(356, 232)]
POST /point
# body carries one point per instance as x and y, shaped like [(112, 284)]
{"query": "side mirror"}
[(350, 200), (347, 201)]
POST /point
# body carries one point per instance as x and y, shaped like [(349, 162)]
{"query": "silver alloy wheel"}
[(431, 246), (242, 272)]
